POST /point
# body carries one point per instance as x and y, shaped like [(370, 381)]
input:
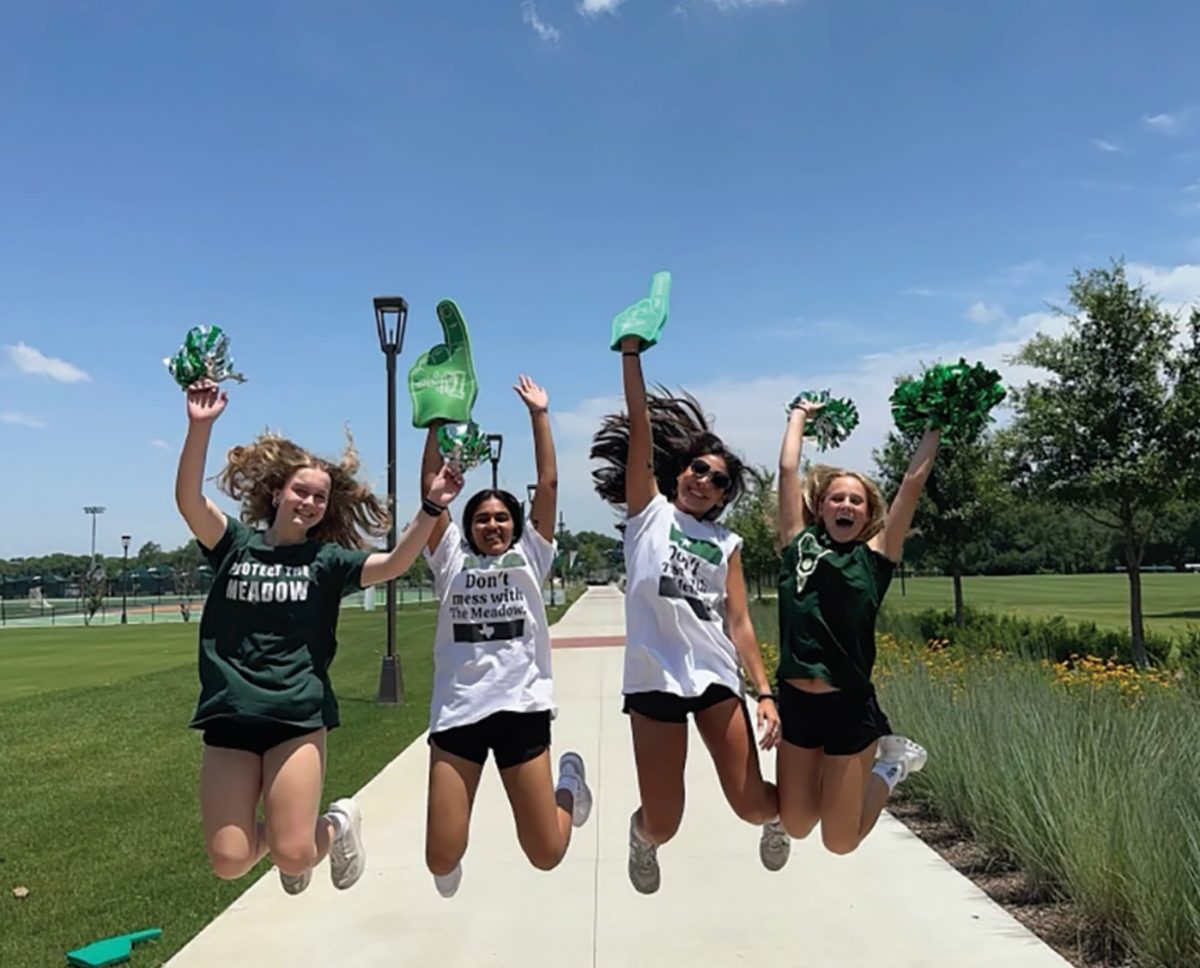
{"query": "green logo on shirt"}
[(707, 550), (808, 553)]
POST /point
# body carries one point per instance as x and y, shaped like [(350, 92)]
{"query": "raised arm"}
[(793, 517), (890, 541), (385, 565), (205, 402), (545, 497), (640, 486), (431, 462)]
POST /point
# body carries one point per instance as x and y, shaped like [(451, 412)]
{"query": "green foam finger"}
[(646, 317), (454, 328), (442, 381)]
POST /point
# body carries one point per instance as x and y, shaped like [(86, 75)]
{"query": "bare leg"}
[(660, 752), (453, 782), (726, 731), (230, 786), (798, 773), (293, 778), (542, 814), (852, 798)]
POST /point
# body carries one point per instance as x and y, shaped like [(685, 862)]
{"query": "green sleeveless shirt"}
[(268, 631), (829, 595)]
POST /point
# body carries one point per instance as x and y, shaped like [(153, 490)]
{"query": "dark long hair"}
[(510, 502), (680, 432)]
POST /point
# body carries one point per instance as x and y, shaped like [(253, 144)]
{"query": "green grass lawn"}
[(1170, 601), (98, 774)]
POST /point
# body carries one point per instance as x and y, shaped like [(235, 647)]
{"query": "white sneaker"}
[(644, 874), (295, 883), (774, 846), (347, 856), (902, 751), (447, 884), (572, 778)]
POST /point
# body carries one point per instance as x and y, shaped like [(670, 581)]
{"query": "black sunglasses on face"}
[(701, 468)]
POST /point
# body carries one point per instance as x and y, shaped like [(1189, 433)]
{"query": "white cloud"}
[(593, 8), (919, 291), (1167, 123), (32, 361), (1177, 286), (1107, 146), (530, 15), (982, 312), (160, 444), (738, 4), (21, 420)]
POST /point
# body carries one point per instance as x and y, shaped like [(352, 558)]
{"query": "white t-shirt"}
[(492, 647), (676, 639)]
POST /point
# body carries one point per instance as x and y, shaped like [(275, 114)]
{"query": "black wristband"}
[(630, 353), (432, 508), (766, 695)]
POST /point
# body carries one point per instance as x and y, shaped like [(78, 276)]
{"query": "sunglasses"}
[(701, 468)]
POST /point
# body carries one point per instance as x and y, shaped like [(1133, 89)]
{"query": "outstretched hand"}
[(446, 485), (536, 398), (205, 401), (810, 408), (646, 317)]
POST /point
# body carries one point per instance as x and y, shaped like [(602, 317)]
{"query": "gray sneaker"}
[(295, 883), (774, 846), (902, 751), (347, 856), (573, 778), (644, 874)]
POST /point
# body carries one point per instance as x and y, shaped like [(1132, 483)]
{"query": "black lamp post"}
[(562, 560), (391, 313), (125, 539), (530, 491), (495, 446)]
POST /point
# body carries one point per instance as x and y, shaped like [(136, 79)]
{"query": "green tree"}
[(960, 499), (754, 519), (1112, 430)]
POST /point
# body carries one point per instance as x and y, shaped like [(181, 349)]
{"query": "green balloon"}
[(442, 381), (646, 317)]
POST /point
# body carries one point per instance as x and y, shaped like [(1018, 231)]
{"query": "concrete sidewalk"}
[(893, 902)]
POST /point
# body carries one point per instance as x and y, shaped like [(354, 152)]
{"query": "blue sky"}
[(841, 189)]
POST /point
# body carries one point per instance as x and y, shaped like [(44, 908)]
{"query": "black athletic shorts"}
[(251, 736), (840, 723), (666, 707), (513, 738)]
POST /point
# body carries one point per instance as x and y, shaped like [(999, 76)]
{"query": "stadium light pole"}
[(125, 539), (95, 510), (391, 315)]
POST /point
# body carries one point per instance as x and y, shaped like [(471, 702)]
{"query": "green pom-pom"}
[(833, 423), (955, 398), (462, 445), (203, 356)]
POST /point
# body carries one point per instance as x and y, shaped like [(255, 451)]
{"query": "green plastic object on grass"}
[(442, 380), (110, 951), (646, 317)]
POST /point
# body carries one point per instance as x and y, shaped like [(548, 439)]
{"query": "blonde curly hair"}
[(816, 484), (254, 473)]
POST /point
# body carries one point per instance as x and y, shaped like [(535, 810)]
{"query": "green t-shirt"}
[(829, 595), (268, 633)]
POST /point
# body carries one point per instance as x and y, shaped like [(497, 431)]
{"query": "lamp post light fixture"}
[(495, 446), (391, 315), (125, 539)]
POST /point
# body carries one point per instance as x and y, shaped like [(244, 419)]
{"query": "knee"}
[(294, 856), (441, 861), (659, 828), (545, 857), (227, 865), (840, 842), (798, 824), (754, 809)]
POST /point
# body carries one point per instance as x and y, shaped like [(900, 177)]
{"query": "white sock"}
[(339, 820), (890, 773)]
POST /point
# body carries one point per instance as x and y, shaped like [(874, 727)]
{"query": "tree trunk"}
[(959, 617), (1137, 635)]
